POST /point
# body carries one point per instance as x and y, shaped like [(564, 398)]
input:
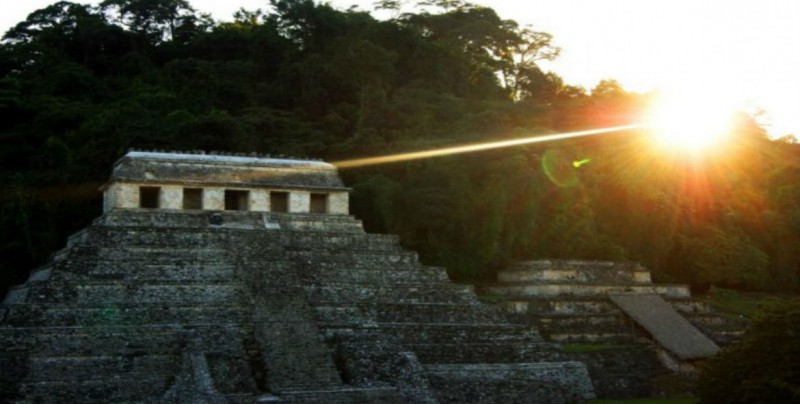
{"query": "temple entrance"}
[(319, 203), (279, 202), (148, 197), (193, 198), (236, 200)]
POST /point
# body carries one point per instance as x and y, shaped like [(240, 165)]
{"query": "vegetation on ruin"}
[(80, 85), (763, 366), (737, 304)]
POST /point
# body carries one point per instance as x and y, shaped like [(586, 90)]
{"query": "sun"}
[(690, 122)]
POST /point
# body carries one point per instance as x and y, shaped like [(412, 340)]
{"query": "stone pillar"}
[(109, 198), (213, 198), (170, 197), (339, 203), (299, 201), (259, 200), (127, 196)]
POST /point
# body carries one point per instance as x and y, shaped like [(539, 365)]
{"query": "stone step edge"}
[(556, 336), (388, 285), (146, 378), (480, 366), (383, 325), (94, 358), (167, 327), (579, 262), (599, 298), (90, 281), (516, 290), (119, 220), (352, 229), (537, 342), (515, 269), (582, 285), (620, 269), (368, 305), (126, 305), (576, 316), (343, 390)]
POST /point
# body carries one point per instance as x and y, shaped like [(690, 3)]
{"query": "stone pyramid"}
[(243, 279)]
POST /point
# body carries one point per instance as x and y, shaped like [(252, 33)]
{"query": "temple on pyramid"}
[(243, 279)]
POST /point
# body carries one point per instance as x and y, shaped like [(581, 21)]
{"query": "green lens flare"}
[(578, 163), (557, 168)]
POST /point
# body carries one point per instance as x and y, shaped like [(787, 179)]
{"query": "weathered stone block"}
[(171, 197), (299, 201), (214, 198)]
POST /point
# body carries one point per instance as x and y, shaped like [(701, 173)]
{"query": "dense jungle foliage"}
[(763, 367), (80, 85)]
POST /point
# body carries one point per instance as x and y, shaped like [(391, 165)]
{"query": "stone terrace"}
[(569, 299), (150, 305), (569, 302)]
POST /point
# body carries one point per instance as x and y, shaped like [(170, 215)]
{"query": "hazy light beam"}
[(393, 158)]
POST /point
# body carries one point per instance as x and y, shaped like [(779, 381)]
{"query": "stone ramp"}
[(670, 329)]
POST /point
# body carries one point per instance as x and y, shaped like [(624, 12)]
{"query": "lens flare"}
[(559, 169), (394, 158), (578, 163)]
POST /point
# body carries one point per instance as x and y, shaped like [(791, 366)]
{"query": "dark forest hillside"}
[(80, 85)]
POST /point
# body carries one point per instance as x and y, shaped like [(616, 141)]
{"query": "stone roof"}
[(225, 170)]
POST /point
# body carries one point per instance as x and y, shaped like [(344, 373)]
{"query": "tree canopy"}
[(79, 85), (763, 367)]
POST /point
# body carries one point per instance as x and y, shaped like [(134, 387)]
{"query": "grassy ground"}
[(491, 298), (738, 304)]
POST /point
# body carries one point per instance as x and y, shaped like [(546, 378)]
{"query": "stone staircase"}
[(262, 307), (568, 302), (722, 329), (368, 292)]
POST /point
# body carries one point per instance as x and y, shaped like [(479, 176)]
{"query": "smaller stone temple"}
[(629, 331), (152, 180)]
